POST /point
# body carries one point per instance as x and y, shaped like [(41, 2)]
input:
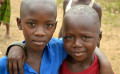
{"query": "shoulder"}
[(65, 1), (56, 41), (97, 7), (96, 62), (3, 64), (3, 60), (56, 46), (94, 67)]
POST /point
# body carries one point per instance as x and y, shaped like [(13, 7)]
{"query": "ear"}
[(19, 23), (100, 37), (55, 25)]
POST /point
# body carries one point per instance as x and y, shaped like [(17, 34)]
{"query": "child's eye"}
[(49, 25), (85, 37), (68, 37), (31, 23)]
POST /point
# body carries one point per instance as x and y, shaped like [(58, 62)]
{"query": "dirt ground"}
[(109, 44)]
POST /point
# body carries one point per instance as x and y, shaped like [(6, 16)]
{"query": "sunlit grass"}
[(111, 12)]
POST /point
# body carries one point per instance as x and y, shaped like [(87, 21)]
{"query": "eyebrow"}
[(89, 33), (50, 21), (31, 19)]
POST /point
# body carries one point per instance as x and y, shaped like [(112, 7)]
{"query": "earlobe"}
[(100, 37), (19, 23), (55, 25)]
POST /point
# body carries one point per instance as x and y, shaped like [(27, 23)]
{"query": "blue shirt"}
[(52, 58)]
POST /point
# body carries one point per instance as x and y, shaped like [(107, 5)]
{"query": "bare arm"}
[(105, 66), (16, 58), (98, 9)]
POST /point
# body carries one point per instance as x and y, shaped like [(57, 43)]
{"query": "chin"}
[(39, 48), (79, 59)]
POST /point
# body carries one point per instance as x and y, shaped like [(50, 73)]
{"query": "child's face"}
[(80, 37), (38, 25)]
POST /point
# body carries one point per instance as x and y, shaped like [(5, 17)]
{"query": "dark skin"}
[(80, 40), (38, 27), (18, 56), (77, 2)]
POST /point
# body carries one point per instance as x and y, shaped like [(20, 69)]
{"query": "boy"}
[(67, 4), (38, 22), (80, 40), (53, 53)]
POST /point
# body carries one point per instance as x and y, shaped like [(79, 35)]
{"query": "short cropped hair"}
[(81, 10), (26, 3)]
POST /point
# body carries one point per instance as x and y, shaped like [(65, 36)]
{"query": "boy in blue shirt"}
[(44, 54), (38, 22)]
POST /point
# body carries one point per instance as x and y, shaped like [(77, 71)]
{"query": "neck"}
[(82, 64), (83, 0), (86, 2), (32, 54), (33, 58)]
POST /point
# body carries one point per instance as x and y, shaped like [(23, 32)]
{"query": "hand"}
[(16, 60)]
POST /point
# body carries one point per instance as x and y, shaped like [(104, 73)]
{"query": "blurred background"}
[(110, 43)]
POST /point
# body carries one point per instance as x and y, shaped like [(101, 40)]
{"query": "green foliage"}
[(111, 12), (111, 19), (110, 5)]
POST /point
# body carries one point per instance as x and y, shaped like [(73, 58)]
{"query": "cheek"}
[(67, 45), (91, 47), (27, 32), (49, 32)]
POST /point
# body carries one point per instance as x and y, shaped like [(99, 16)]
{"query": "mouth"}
[(79, 53), (39, 43)]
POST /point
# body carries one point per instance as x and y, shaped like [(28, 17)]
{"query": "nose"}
[(78, 43), (39, 31)]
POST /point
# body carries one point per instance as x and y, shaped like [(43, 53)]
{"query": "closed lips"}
[(79, 53), (38, 42)]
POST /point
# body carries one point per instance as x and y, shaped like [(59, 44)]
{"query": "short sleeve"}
[(58, 48), (16, 43), (3, 65)]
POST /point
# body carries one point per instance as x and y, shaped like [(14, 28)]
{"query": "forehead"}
[(42, 7), (38, 9), (80, 23)]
